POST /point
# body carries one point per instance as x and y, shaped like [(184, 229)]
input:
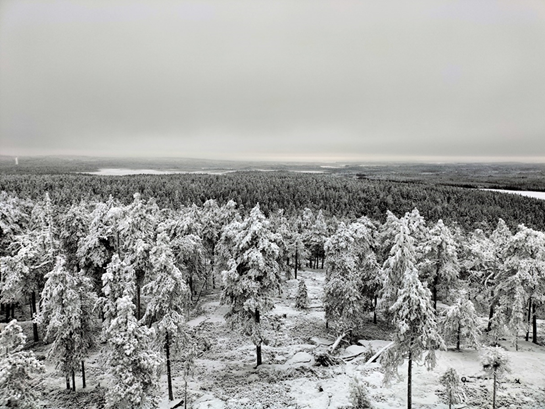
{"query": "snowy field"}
[(225, 377)]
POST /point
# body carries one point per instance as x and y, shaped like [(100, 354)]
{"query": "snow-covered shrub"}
[(359, 396), (301, 301), (496, 364), (453, 388)]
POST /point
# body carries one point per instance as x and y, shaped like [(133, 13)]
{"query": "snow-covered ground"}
[(225, 377)]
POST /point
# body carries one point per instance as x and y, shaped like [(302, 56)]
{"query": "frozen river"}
[(528, 193)]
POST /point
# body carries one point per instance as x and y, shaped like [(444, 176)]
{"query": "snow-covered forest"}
[(132, 304)]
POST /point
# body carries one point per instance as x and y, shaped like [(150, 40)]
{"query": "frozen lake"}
[(528, 193), (125, 172)]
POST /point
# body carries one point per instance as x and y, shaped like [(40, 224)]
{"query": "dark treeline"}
[(338, 196)]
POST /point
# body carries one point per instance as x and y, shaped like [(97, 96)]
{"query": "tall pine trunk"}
[(458, 336), (258, 346), (73, 380), (534, 324), (435, 285), (138, 311), (83, 374), (296, 261), (375, 310), (169, 373), (529, 318), (34, 312), (409, 381), (494, 392)]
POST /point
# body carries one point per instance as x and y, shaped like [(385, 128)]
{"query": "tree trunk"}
[(258, 346), (458, 336), (296, 261), (534, 324), (138, 316), (435, 284), (34, 311), (375, 310), (529, 318), (409, 381), (8, 308), (13, 311), (83, 374), (67, 382), (323, 262), (169, 373), (494, 392), (490, 315), (212, 263), (73, 381)]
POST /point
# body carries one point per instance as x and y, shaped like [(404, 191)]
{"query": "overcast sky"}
[(274, 79)]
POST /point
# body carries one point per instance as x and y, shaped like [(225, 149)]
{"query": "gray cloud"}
[(273, 79)]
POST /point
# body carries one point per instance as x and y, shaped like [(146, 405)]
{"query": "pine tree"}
[(16, 389), (167, 301), (68, 301), (522, 278), (350, 269), (412, 315), (451, 382), (496, 364), (254, 274), (33, 254), (301, 300), (460, 321), (439, 265), (130, 358)]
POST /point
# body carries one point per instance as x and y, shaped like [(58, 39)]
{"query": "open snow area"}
[(224, 376)]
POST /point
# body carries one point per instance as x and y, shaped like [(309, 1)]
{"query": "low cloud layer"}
[(273, 79)]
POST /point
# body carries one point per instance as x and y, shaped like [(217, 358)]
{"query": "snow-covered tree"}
[(130, 358), (32, 255), (253, 276), (351, 269), (496, 364), (68, 301), (412, 314), (73, 227), (522, 279), (16, 386), (167, 294), (460, 322), (439, 264), (450, 380), (301, 300)]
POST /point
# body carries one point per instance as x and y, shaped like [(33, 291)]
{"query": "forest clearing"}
[(225, 376)]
